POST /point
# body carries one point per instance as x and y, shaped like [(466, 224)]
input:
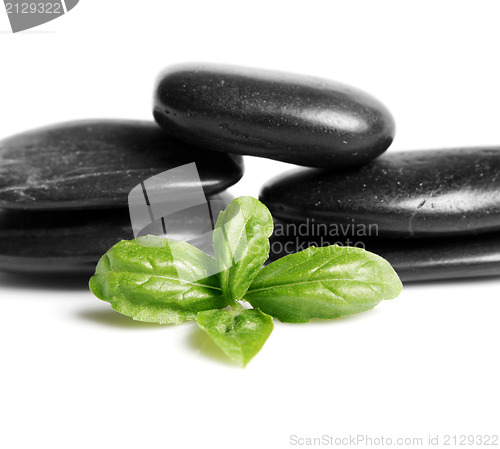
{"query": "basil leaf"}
[(157, 280), (327, 282), (241, 244), (239, 333)]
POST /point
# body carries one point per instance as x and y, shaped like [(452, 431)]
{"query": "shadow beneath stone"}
[(199, 341), (487, 279), (59, 282), (111, 318)]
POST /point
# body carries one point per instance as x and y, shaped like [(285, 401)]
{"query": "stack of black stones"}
[(64, 189), (433, 214)]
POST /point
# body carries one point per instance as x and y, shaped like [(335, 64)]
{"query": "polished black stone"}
[(57, 241), (72, 242), (436, 193), (292, 118), (95, 164), (413, 259)]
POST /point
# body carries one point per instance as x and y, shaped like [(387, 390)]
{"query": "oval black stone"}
[(403, 194), (73, 241), (292, 118), (413, 259), (95, 164), (59, 241)]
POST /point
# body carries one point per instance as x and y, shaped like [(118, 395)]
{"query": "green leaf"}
[(157, 280), (327, 282), (241, 244), (239, 333)]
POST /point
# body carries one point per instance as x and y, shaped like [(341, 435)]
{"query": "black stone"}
[(292, 118), (439, 193), (72, 242), (413, 259), (57, 241), (95, 164)]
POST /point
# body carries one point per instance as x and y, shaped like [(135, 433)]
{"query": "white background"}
[(74, 374)]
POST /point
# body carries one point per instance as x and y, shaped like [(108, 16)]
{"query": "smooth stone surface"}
[(72, 242), (433, 193), (414, 260), (95, 164), (292, 118)]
